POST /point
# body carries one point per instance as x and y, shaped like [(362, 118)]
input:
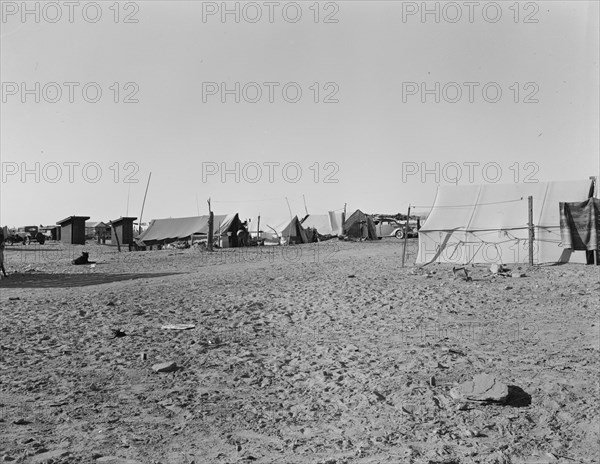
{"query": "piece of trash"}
[(143, 356), (117, 333), (462, 273), (471, 433), (14, 298), (351, 276), (165, 367), (517, 275), (178, 326), (432, 381)]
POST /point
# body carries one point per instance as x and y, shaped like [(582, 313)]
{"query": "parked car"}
[(389, 227), (25, 235)]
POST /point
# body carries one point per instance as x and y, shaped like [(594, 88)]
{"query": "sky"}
[(318, 106)]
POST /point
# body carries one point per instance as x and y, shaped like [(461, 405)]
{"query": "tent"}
[(161, 231), (359, 225), (489, 223), (292, 232), (326, 224), (278, 234)]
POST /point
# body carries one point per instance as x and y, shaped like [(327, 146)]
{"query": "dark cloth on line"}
[(580, 225)]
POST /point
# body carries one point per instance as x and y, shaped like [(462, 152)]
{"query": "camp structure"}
[(288, 232), (360, 226), (325, 224), (489, 223), (123, 228), (73, 230), (163, 231)]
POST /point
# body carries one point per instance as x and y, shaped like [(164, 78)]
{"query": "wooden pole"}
[(530, 225), (344, 220), (405, 236), (211, 220), (114, 231), (144, 202), (258, 227)]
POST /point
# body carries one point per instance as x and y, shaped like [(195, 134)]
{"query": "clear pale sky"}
[(371, 54)]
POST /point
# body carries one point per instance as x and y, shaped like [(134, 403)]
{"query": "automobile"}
[(25, 235), (389, 227)]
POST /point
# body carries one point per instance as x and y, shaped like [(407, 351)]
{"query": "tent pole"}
[(211, 219), (144, 202), (291, 218), (530, 226), (405, 236)]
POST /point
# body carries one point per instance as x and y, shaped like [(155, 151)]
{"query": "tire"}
[(399, 233), (26, 240), (41, 238)]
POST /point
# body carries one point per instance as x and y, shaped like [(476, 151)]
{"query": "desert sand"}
[(306, 354)]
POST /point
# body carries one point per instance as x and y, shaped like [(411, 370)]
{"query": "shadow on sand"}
[(41, 280)]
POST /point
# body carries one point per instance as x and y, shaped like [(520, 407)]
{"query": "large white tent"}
[(489, 223), (326, 224)]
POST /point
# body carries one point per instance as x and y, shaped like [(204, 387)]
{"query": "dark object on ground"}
[(118, 333), (517, 397), (457, 273), (83, 259)]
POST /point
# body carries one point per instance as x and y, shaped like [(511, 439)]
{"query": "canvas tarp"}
[(326, 224), (488, 223), (172, 229), (293, 232), (359, 225), (580, 225)]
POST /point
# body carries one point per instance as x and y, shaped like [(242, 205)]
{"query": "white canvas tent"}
[(326, 224), (488, 223)]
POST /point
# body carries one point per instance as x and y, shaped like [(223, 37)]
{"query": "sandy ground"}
[(303, 354)]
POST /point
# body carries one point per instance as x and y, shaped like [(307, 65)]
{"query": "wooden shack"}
[(124, 229), (73, 230)]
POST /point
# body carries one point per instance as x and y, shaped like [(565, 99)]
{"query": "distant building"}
[(97, 230)]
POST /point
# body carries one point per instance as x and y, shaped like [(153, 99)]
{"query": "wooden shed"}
[(73, 230), (124, 229)]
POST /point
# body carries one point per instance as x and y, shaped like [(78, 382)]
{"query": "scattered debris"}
[(462, 273), (117, 333), (165, 367), (483, 387), (50, 456), (178, 326), (21, 421)]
